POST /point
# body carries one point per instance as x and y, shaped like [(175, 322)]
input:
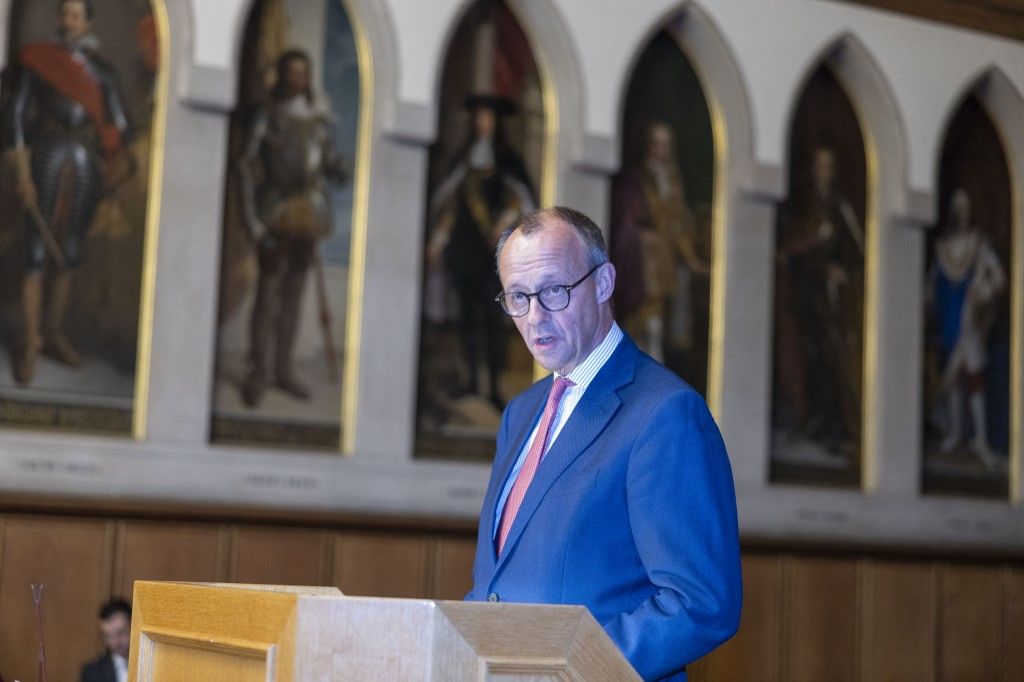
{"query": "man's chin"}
[(547, 360)]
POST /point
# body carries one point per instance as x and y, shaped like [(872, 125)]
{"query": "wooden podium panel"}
[(214, 631), (189, 631)]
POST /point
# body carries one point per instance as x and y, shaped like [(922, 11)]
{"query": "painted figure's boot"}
[(954, 406), (979, 442), (32, 339), (287, 329), (57, 344), (263, 312)]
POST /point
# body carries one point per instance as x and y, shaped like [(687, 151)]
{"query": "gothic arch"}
[(736, 174), (890, 207), (212, 88), (562, 79), (878, 113), (721, 79), (1004, 104)]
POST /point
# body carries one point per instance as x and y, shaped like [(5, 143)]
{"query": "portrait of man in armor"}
[(65, 123), (290, 149), (76, 115), (287, 229)]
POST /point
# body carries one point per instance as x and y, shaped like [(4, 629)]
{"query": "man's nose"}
[(537, 312)]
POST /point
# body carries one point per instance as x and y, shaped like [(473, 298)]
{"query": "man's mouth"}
[(543, 341)]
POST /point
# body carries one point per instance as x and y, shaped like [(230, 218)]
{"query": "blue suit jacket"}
[(632, 513)]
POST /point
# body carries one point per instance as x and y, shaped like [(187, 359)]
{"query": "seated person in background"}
[(116, 627)]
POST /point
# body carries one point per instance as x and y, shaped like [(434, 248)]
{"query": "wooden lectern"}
[(219, 631)]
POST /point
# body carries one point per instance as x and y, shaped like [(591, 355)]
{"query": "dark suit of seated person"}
[(116, 628), (611, 487)]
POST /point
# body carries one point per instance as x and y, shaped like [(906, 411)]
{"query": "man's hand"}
[(27, 192), (26, 187), (118, 169)]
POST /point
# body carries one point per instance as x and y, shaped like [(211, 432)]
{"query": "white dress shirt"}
[(581, 376), (120, 667)]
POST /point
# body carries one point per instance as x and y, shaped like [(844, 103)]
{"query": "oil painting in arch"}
[(484, 172), (288, 229), (77, 105), (966, 419), (820, 248), (661, 210)]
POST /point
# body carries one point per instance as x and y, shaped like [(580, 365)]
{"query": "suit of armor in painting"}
[(64, 123), (287, 160)]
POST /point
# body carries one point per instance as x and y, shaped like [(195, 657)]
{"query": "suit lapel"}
[(110, 671), (588, 420)]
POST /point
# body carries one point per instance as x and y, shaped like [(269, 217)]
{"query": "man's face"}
[(74, 19), (659, 143), (117, 632), (824, 168), (484, 122), (555, 254), (961, 208), (296, 77)]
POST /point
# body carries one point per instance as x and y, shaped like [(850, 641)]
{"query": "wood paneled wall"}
[(806, 616), (864, 617), (1000, 17)]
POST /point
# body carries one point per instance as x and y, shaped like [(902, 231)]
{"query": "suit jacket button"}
[(493, 596)]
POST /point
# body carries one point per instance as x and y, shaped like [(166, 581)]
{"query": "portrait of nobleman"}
[(484, 174), (288, 228), (77, 106)]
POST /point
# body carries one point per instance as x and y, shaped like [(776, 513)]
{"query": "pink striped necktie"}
[(533, 457)]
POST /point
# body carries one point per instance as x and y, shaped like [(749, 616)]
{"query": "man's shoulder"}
[(98, 670), (654, 378)]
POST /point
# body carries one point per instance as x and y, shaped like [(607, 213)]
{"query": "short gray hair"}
[(587, 229)]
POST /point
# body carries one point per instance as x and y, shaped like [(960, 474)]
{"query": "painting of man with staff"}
[(287, 214), (288, 230)]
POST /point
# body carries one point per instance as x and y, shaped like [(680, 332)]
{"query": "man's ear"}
[(604, 280)]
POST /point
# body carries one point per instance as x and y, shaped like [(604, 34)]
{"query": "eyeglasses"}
[(552, 299)]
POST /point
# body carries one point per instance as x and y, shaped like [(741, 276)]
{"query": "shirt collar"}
[(585, 372)]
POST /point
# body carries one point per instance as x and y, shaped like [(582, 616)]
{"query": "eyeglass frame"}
[(500, 298)]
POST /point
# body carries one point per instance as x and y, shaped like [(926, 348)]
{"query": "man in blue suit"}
[(611, 487)]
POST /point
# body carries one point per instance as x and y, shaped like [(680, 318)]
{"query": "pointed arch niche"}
[(852, 258), (730, 187), (972, 310), (819, 291), (488, 165), (661, 225)]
